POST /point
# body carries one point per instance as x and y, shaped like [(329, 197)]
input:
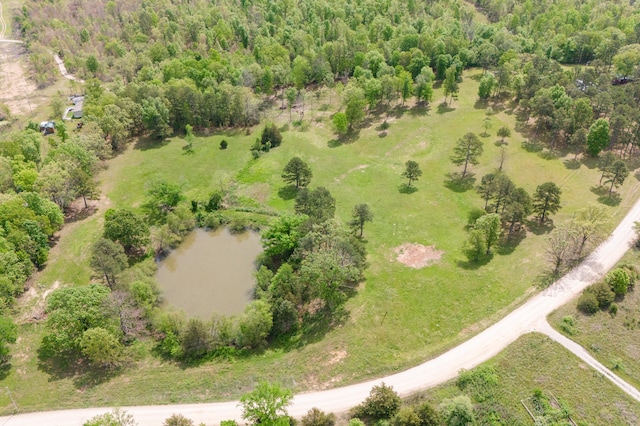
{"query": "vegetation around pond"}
[(365, 96)]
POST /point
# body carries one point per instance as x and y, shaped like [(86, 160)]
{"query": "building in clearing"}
[(47, 127)]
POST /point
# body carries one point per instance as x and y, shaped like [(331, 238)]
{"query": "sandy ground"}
[(16, 90)]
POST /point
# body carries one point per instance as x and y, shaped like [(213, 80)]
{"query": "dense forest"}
[(155, 68)]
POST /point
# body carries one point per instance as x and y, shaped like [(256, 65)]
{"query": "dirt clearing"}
[(416, 255), (15, 89)]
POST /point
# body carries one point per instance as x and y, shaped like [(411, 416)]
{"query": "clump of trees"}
[(601, 295)]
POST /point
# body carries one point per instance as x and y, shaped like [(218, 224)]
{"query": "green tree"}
[(412, 171), (127, 229), (297, 172), (318, 204), (270, 135), (428, 415), (195, 339), (604, 164), (355, 103), (589, 224), (598, 137), (281, 238), (467, 151), (450, 83), (458, 411), (8, 334), (317, 417), (476, 245), (407, 417), (101, 347), (517, 207), (108, 259), (616, 174), (254, 325), (619, 281), (489, 225), (360, 214), (546, 200), (266, 404), (163, 198), (72, 311), (291, 94), (92, 64), (155, 116), (503, 132), (340, 123), (382, 403), (487, 84)]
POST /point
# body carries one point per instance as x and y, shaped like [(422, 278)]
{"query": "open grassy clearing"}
[(536, 362), (400, 316), (612, 340)]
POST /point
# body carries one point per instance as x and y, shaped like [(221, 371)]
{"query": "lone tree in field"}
[(361, 214), (467, 151), (616, 174), (266, 404), (297, 172), (412, 171), (546, 200), (504, 132)]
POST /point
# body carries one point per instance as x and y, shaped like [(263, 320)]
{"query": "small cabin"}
[(47, 127)]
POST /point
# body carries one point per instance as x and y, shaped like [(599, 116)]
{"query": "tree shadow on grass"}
[(509, 243), (313, 330), (147, 143), (5, 369), (604, 197), (572, 164), (444, 108), (288, 192), (538, 228), (406, 189), (420, 109), (345, 139), (472, 265), (457, 183), (81, 373), (548, 154), (532, 146)]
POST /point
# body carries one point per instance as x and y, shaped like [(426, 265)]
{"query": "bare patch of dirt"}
[(15, 88), (337, 356), (36, 313), (344, 175), (416, 255)]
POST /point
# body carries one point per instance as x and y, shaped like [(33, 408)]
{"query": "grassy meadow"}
[(400, 316), (614, 340), (536, 362)]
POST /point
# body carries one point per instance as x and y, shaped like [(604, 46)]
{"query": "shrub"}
[(271, 135), (458, 411), (356, 422), (603, 293), (480, 382), (428, 415), (618, 280), (588, 303), (382, 403), (228, 423), (178, 420), (317, 417), (613, 309), (407, 417), (223, 144), (568, 325)]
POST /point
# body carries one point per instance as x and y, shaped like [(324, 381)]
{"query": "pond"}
[(210, 272)]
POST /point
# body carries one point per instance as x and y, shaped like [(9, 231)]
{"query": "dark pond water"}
[(210, 272)]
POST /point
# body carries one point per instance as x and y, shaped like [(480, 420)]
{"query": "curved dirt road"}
[(528, 317)]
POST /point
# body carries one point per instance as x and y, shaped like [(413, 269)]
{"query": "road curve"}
[(480, 348)]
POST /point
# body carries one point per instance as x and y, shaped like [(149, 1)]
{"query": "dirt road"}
[(531, 316)]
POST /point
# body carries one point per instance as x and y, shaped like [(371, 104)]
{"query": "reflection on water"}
[(210, 272)]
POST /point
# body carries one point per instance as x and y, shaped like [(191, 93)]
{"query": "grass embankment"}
[(536, 362), (400, 317), (614, 340)]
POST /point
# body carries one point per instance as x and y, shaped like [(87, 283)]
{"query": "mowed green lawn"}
[(400, 317), (536, 362), (614, 340)]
